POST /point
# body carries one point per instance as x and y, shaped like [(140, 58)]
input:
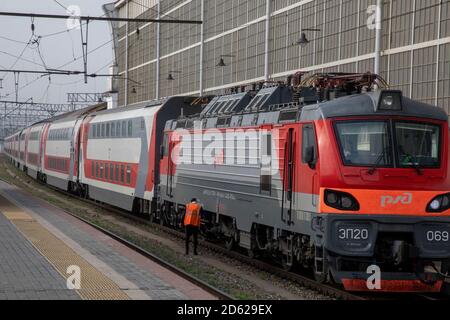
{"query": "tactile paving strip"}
[(94, 284)]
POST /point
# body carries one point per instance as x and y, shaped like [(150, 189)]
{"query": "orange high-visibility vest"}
[(192, 217)]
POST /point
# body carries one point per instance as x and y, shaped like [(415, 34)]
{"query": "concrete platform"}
[(42, 248)]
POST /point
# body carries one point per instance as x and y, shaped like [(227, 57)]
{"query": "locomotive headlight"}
[(346, 202), (340, 200), (390, 100), (435, 204), (332, 198), (440, 203)]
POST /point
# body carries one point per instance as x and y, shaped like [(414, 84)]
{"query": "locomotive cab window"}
[(365, 143), (371, 143), (309, 146), (418, 144)]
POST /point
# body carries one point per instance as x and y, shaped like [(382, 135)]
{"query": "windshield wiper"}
[(414, 164), (418, 169), (378, 161)]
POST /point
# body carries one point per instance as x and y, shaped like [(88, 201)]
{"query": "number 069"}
[(438, 236)]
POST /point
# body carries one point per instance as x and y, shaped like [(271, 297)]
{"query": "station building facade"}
[(258, 40)]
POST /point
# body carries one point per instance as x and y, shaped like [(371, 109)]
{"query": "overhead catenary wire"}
[(61, 5)]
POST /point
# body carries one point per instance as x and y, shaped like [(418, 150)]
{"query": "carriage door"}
[(42, 146), (287, 174), (166, 165), (265, 160), (73, 150)]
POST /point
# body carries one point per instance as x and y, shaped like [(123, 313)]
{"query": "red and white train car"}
[(12, 143), (33, 142), (120, 149)]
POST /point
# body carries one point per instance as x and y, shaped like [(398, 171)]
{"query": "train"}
[(334, 174)]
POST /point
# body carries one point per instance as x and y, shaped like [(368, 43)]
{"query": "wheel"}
[(321, 277), (230, 243), (285, 265), (252, 254)]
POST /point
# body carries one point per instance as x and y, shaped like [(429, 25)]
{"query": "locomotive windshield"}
[(372, 143)]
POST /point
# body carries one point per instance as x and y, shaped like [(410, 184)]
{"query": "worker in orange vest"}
[(192, 223)]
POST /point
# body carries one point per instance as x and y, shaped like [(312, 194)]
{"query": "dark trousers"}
[(191, 231)]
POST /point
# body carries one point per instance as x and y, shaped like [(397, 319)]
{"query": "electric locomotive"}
[(335, 173)]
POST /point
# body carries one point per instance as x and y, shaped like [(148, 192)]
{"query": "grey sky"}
[(56, 50)]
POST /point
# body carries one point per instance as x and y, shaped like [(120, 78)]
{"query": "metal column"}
[(202, 45), (126, 54), (267, 45), (379, 34), (158, 53)]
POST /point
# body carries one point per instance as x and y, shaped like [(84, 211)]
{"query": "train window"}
[(118, 129), (94, 131), (107, 129), (418, 144), (106, 171), (142, 124), (113, 129), (103, 130), (130, 128), (308, 142), (92, 169), (266, 182), (365, 143), (101, 170), (124, 129), (166, 145), (266, 161), (98, 130), (128, 175), (97, 170), (117, 172), (111, 172), (122, 173)]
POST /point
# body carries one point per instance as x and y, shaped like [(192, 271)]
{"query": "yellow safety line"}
[(94, 284)]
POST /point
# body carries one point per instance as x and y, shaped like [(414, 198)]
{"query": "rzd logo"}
[(404, 199)]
